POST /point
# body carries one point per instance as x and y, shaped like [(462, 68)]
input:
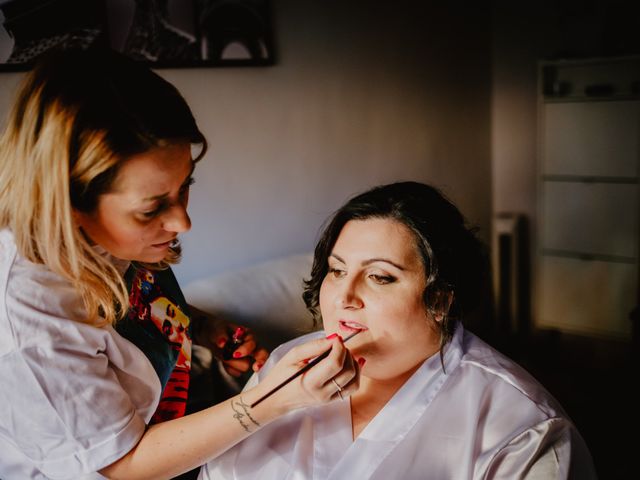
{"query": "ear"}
[(442, 305), (76, 216), (79, 218)]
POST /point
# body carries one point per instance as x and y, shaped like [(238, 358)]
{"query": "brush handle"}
[(313, 362)]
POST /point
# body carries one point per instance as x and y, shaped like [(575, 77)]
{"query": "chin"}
[(151, 257), (154, 259)]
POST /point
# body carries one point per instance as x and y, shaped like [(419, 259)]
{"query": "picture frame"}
[(160, 33)]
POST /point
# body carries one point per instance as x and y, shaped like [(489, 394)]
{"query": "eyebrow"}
[(372, 260), (164, 195)]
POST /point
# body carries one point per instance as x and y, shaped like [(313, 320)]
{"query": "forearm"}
[(170, 448)]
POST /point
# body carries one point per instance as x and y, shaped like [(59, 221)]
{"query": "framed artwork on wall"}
[(160, 33)]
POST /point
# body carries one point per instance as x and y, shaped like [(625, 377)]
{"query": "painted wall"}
[(362, 93)]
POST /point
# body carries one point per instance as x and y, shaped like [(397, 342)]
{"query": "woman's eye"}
[(336, 272), (185, 187), (151, 213), (382, 279)]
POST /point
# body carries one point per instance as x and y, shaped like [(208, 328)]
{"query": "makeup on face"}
[(164, 245), (375, 281), (349, 327), (145, 209)]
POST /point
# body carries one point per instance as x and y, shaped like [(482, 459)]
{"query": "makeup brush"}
[(313, 362)]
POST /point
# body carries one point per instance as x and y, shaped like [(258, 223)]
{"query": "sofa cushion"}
[(267, 297)]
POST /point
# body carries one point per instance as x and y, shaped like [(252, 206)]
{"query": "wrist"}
[(268, 409)]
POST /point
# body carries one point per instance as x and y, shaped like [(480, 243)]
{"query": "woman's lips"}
[(350, 326), (163, 244)]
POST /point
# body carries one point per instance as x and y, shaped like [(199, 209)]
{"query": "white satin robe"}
[(486, 418)]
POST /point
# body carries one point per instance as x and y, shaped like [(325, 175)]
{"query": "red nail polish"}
[(333, 335), (221, 341), (361, 361), (237, 354), (259, 365)]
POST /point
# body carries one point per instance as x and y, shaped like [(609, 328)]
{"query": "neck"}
[(372, 396)]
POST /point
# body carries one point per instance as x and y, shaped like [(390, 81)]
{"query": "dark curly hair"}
[(455, 260)]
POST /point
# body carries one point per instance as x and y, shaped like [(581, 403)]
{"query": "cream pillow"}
[(267, 297)]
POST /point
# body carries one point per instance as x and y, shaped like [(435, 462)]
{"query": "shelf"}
[(550, 252), (591, 139), (591, 81), (586, 296), (585, 98), (590, 179), (586, 269)]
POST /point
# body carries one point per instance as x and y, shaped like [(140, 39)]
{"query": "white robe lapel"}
[(394, 421), (332, 438)]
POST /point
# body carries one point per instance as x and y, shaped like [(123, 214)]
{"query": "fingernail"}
[(361, 361), (237, 354), (333, 335), (221, 342), (259, 365)]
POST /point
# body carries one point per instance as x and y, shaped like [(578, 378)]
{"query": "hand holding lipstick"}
[(234, 341), (235, 346)]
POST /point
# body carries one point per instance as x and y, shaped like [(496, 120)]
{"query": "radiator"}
[(510, 273)]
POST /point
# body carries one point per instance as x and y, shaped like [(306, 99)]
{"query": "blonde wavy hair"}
[(78, 116)]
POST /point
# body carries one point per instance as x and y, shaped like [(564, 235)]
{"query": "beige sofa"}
[(267, 297)]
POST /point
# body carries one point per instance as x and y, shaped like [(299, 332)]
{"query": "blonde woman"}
[(399, 264), (95, 168)]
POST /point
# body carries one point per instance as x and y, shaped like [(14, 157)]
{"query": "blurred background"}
[(526, 114)]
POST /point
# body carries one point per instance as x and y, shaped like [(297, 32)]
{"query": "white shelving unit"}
[(588, 234)]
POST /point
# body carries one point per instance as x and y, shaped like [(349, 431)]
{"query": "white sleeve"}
[(74, 397), (66, 419), (552, 449)]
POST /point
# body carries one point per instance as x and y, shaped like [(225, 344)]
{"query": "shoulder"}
[(34, 301), (552, 448), (58, 371), (488, 369), (517, 419)]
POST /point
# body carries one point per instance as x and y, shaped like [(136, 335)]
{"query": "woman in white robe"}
[(399, 264)]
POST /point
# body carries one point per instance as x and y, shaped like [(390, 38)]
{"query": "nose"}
[(176, 219), (348, 296)]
